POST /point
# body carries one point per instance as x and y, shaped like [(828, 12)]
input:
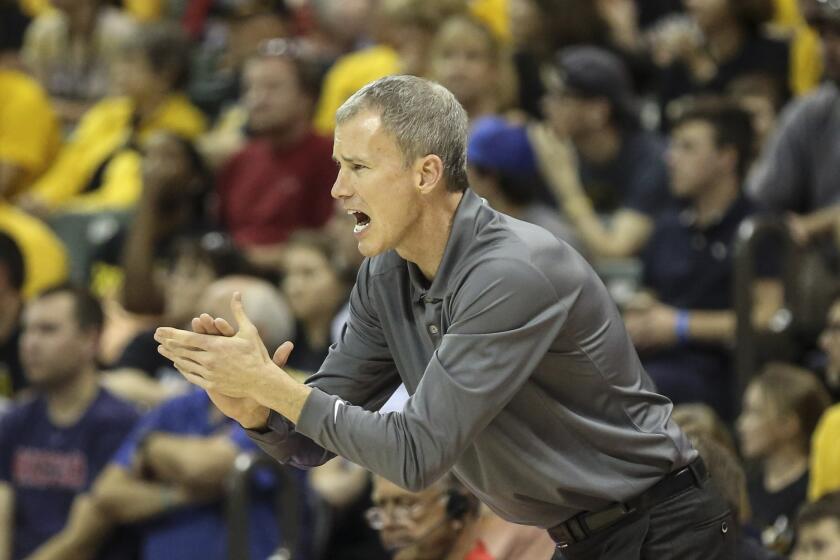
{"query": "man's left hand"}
[(653, 328)]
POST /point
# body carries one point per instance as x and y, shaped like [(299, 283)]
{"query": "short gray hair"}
[(424, 118)]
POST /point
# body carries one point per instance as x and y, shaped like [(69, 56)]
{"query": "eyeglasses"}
[(400, 513), (288, 48)]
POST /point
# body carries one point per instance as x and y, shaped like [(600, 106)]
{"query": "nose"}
[(341, 188)]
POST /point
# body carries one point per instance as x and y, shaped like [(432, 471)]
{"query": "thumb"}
[(282, 353), (242, 320)]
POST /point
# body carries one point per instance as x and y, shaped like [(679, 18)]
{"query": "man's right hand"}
[(249, 413)]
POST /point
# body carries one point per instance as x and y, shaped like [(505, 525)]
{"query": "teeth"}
[(358, 228)]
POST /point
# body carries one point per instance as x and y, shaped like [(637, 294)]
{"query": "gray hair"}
[(423, 117)]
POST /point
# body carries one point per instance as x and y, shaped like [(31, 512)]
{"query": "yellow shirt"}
[(44, 255), (29, 130), (102, 138), (348, 74), (494, 14), (805, 60), (825, 455)]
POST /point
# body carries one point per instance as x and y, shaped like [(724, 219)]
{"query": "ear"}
[(430, 173), (789, 425)]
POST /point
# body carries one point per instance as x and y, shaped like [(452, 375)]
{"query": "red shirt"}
[(266, 193)]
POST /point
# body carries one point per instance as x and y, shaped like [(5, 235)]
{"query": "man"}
[(818, 524), (797, 175), (684, 322), (53, 447), (594, 155), (522, 377), (445, 522), (280, 181)]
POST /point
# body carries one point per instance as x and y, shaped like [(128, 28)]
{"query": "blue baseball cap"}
[(497, 145)]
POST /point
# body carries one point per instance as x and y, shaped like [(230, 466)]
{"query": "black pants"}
[(693, 525)]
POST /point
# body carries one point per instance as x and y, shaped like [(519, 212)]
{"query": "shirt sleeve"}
[(504, 316), (780, 178), (358, 369), (127, 451)]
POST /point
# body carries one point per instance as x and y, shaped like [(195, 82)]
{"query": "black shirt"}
[(767, 507)]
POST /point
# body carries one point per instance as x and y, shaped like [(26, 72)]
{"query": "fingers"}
[(242, 319), (206, 324), (281, 355), (224, 328), (181, 337)]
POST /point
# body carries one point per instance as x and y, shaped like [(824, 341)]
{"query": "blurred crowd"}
[(157, 156)]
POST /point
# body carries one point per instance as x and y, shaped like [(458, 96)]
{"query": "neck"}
[(784, 466), (427, 245), (724, 40), (714, 200), (288, 135), (599, 146), (69, 401)]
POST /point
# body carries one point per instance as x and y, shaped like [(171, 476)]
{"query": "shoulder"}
[(180, 115), (20, 415), (23, 90), (109, 409), (812, 109), (366, 60)]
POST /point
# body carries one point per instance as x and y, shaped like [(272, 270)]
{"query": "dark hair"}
[(797, 391), (827, 507), (86, 306), (752, 14), (166, 48), (726, 474), (732, 127), (518, 190), (573, 22), (308, 71), (13, 24), (11, 260)]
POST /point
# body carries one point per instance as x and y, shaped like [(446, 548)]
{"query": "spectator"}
[(818, 530), (446, 522), (468, 60), (596, 159), (70, 50), (780, 411), (317, 285), (169, 474), (829, 343), (53, 447), (683, 323), (12, 379), (502, 169), (99, 167), (797, 176), (700, 420), (406, 29), (724, 40), (29, 133), (825, 455), (140, 374), (281, 180)]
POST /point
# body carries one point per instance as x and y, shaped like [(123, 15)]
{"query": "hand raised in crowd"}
[(622, 18), (653, 326), (556, 159)]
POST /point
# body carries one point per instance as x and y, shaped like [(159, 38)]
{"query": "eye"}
[(357, 167)]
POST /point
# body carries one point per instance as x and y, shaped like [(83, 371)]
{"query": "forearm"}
[(140, 293), (280, 392), (7, 520), (711, 326), (821, 221), (128, 499), (196, 462), (86, 529)]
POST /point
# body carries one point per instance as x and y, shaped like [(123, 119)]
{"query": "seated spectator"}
[(405, 29), (825, 455), (54, 446), (818, 530), (99, 167), (29, 132), (141, 374), (70, 49), (446, 522), (700, 420), (797, 176), (281, 180), (317, 284), (781, 409), (170, 475), (468, 60), (723, 41), (683, 322), (762, 97), (595, 157), (502, 169)]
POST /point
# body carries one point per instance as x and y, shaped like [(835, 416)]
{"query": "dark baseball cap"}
[(498, 145), (589, 71)]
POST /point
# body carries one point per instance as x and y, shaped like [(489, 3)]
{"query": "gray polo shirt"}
[(522, 379), (800, 168)]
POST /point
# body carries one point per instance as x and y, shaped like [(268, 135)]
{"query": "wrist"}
[(682, 326)]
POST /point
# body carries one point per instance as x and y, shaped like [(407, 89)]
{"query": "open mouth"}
[(362, 221)]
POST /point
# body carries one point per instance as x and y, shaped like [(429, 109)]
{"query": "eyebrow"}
[(349, 159)]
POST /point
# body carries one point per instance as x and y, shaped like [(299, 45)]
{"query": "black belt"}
[(585, 524)]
